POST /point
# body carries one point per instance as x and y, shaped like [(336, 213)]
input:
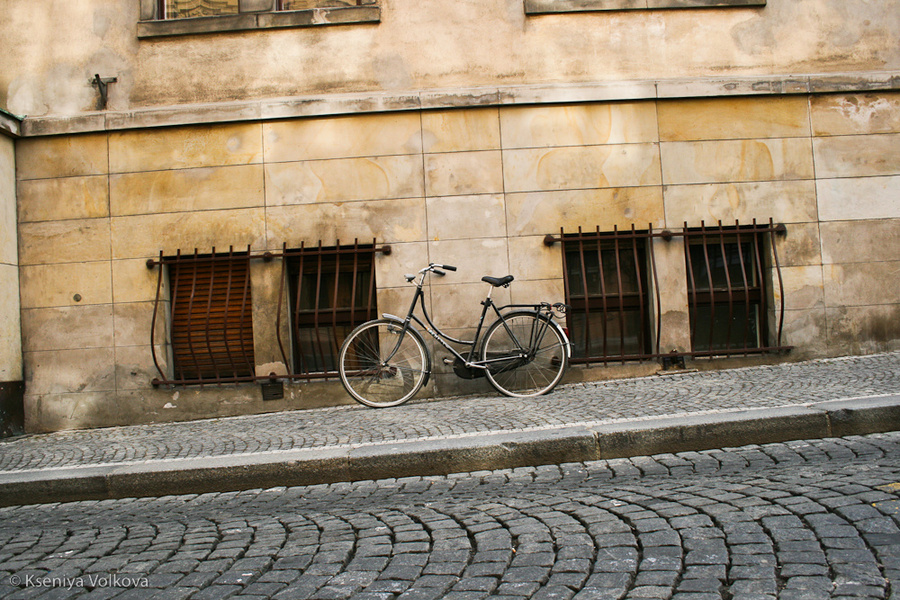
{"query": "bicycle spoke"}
[(545, 360), (381, 365)]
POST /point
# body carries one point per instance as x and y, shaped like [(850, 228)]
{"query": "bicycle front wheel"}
[(379, 367), (525, 354)]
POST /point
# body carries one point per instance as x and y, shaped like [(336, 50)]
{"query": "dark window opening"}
[(607, 290), (332, 290), (726, 291)]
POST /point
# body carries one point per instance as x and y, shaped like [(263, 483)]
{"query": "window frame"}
[(543, 7), (253, 15)]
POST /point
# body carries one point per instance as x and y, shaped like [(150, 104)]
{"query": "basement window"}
[(607, 290), (210, 318), (331, 290)]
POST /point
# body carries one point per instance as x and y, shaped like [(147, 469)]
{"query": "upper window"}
[(184, 17), (537, 7), (186, 9)]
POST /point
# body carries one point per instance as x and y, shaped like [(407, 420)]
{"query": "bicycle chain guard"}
[(464, 372)]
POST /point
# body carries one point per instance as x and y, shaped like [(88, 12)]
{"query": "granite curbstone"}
[(442, 456)]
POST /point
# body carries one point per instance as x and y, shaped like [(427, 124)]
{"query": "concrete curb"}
[(492, 450)]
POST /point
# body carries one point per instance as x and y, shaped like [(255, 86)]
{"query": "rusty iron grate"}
[(612, 285), (209, 310), (331, 291)]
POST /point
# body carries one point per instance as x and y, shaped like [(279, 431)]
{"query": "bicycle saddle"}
[(498, 281)]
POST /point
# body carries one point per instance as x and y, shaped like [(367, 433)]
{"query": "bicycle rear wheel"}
[(525, 353), (381, 368)]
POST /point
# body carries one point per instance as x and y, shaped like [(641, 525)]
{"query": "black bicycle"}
[(524, 353)]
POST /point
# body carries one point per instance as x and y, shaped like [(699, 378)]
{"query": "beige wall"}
[(478, 188), (10, 329), (425, 45)]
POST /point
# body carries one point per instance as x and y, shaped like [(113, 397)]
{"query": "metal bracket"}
[(102, 84)]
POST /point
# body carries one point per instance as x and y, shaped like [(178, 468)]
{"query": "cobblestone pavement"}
[(793, 521), (688, 393)]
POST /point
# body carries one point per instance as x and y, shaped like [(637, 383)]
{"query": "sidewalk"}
[(577, 422)]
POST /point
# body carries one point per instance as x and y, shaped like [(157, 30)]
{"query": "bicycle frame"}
[(445, 340)]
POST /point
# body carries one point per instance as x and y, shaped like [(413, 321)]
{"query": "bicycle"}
[(523, 353)]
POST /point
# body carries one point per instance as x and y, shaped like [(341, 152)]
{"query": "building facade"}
[(202, 198)]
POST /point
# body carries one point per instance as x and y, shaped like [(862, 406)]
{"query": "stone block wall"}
[(475, 187), (10, 320)]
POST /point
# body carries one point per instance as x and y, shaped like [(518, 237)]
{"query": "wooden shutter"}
[(212, 329)]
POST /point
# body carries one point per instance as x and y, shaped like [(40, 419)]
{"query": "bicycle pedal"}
[(448, 360)]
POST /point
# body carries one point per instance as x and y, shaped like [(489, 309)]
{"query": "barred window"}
[(607, 290), (332, 290), (210, 317), (726, 290)]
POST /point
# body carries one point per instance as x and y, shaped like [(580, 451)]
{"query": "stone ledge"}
[(257, 21), (542, 7), (362, 103)]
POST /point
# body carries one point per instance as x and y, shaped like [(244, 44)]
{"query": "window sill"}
[(259, 21), (540, 7)]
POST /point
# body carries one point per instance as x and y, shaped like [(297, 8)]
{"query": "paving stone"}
[(688, 526)]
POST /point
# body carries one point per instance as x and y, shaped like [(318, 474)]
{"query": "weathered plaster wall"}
[(478, 188), (51, 55), (10, 328)]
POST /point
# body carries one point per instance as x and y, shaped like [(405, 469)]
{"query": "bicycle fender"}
[(562, 332), (565, 337)]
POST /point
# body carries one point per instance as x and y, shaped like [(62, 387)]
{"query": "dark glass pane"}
[(713, 331), (317, 347), (600, 269), (346, 294), (587, 333), (728, 266)]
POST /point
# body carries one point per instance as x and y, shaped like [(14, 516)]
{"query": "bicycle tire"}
[(546, 361), (373, 381)]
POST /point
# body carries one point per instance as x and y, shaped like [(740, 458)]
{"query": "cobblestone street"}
[(792, 521)]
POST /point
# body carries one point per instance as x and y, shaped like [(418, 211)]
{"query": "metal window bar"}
[(333, 311), (610, 301), (210, 318), (750, 290)]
